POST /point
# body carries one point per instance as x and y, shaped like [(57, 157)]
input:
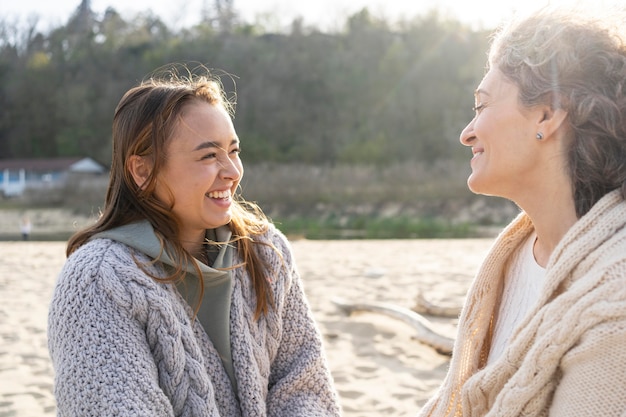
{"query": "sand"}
[(378, 366)]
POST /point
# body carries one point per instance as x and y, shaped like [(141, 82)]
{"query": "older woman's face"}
[(502, 136), (202, 170)]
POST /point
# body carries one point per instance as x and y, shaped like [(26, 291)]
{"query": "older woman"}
[(543, 330)]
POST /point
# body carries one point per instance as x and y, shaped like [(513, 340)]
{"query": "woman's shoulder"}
[(274, 235), (106, 269), (99, 252), (99, 247), (107, 263), (276, 238), (611, 260)]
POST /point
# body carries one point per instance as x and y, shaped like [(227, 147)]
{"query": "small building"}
[(17, 175)]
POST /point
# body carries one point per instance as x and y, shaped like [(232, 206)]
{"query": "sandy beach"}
[(378, 366)]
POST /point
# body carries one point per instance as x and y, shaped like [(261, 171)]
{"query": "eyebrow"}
[(211, 144), (480, 91)]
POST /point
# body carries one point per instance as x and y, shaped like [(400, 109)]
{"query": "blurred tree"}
[(372, 93)]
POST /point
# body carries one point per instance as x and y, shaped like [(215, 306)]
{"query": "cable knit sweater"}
[(568, 356), (123, 344)]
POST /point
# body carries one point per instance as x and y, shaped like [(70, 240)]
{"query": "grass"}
[(363, 227)]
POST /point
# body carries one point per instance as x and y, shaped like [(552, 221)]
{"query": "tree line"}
[(375, 92)]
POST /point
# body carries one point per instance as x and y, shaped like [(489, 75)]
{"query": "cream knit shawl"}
[(580, 319)]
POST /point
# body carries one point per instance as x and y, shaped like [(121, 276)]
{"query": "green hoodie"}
[(214, 311)]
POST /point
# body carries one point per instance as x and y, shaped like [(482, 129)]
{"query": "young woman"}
[(183, 300), (543, 329)]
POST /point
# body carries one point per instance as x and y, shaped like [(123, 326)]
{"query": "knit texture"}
[(567, 357), (123, 344)]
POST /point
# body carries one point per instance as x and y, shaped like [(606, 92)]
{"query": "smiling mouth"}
[(477, 151), (222, 195)]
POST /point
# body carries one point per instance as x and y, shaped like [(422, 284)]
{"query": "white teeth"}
[(219, 194)]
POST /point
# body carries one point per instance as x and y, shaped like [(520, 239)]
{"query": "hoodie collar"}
[(141, 236)]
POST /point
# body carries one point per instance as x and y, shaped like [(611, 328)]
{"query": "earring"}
[(539, 136)]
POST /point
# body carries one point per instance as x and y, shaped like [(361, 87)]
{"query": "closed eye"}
[(477, 108), (208, 156)]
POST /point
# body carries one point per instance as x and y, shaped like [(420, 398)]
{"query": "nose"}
[(231, 169), (467, 134)]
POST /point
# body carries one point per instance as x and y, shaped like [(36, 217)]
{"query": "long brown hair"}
[(143, 123)]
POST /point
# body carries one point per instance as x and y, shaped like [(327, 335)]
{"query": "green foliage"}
[(365, 227), (374, 93)]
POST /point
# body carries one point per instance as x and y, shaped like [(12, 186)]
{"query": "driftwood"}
[(423, 306), (424, 328)]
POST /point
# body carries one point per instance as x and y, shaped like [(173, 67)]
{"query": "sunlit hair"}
[(143, 124), (569, 60)]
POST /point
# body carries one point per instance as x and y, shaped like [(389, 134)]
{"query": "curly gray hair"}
[(571, 61)]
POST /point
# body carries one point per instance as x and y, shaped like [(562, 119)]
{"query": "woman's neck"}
[(194, 244), (552, 217)]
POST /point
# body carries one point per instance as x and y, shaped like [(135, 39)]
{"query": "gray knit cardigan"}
[(123, 344)]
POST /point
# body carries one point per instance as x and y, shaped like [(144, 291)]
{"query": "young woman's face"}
[(202, 170), (502, 136)]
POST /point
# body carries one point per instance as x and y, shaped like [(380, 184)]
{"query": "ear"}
[(140, 168), (552, 121)]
